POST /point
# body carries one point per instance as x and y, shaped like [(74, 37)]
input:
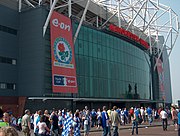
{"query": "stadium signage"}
[(128, 34), (62, 55), (61, 25)]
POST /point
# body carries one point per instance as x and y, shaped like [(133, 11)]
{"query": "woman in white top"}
[(42, 127), (164, 115)]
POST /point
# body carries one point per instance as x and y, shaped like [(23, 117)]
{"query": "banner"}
[(161, 77), (62, 55)]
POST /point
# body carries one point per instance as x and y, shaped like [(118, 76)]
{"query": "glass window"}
[(81, 86), (99, 37), (14, 86), (2, 85), (90, 47), (90, 35), (76, 46), (87, 87), (91, 67), (81, 47), (95, 50), (81, 65), (81, 34), (86, 34), (85, 48), (14, 62), (10, 86), (77, 64), (108, 53), (86, 66), (99, 51), (95, 37), (104, 52), (103, 41), (108, 64), (91, 87)]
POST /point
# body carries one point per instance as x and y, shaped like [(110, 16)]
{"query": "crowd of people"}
[(64, 122)]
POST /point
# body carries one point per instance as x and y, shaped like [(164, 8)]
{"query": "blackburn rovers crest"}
[(62, 53)]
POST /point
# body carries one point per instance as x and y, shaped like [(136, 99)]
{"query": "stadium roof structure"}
[(148, 19)]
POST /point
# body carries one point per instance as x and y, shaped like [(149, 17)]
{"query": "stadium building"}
[(68, 54)]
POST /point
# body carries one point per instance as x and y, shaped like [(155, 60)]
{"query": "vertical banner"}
[(161, 77), (62, 55)]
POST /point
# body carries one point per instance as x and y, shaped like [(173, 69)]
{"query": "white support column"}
[(50, 3), (39, 3), (69, 8), (49, 16), (119, 18), (149, 34), (97, 21), (29, 3), (20, 5), (82, 18)]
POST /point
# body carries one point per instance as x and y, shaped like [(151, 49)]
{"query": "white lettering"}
[(55, 22), (61, 25)]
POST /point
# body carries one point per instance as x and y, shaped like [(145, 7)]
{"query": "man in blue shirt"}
[(105, 121), (179, 122), (149, 112)]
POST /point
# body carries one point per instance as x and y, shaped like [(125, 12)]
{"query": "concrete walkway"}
[(129, 126)]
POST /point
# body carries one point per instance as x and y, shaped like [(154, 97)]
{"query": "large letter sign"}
[(62, 55)]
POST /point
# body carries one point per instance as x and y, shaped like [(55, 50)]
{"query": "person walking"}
[(26, 123), (115, 120), (54, 123), (77, 125), (105, 121), (99, 118), (42, 127), (174, 114), (135, 119), (164, 117), (149, 113), (86, 119), (142, 112), (36, 120), (179, 123), (93, 118)]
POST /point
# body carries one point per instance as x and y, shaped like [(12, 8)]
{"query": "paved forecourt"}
[(144, 130), (148, 131)]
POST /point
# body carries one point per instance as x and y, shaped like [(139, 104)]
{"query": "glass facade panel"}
[(108, 65)]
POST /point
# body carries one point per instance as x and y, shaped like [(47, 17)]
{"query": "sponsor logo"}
[(128, 34), (61, 80), (61, 25)]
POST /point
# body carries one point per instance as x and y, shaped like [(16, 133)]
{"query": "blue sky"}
[(175, 55)]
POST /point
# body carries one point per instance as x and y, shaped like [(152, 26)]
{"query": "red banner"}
[(161, 77), (62, 55)]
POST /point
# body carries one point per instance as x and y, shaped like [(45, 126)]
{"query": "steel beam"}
[(49, 16), (82, 18)]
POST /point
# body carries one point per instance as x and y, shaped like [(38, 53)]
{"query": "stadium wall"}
[(110, 67)]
